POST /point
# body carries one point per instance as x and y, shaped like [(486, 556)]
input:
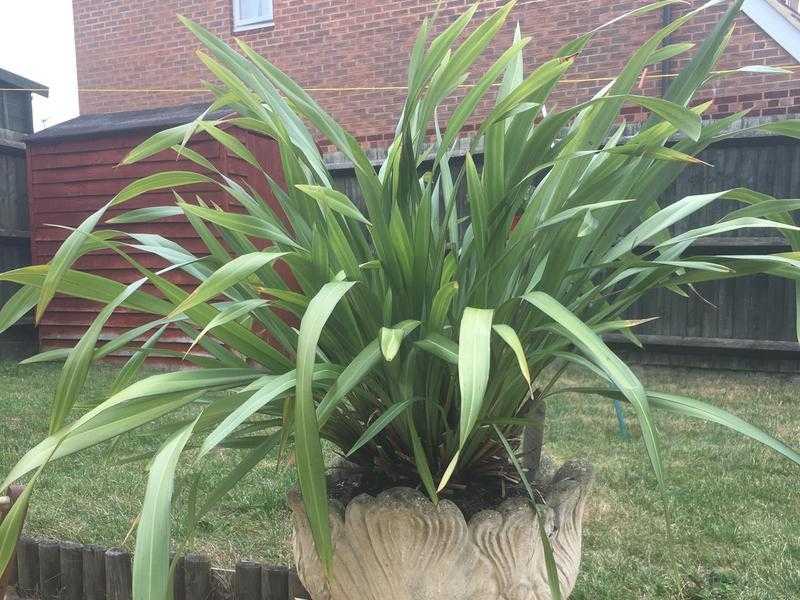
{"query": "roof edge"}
[(779, 22), (123, 122), (18, 81)]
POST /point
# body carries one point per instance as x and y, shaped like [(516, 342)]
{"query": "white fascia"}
[(777, 21)]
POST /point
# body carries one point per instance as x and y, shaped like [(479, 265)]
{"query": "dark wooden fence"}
[(14, 235), (746, 323), (16, 121), (743, 323), (52, 570)]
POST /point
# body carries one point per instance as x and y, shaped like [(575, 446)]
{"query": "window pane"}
[(252, 9)]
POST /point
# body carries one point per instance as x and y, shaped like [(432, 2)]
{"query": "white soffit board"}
[(782, 28)]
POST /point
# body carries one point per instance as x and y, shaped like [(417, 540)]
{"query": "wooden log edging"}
[(51, 569)]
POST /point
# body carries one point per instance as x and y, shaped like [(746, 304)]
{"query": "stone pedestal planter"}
[(6, 502), (399, 546)]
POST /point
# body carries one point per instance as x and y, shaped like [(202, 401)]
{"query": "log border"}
[(56, 569)]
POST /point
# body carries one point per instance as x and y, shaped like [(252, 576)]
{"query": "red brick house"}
[(338, 48)]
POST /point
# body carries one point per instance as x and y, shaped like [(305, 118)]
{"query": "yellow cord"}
[(383, 88)]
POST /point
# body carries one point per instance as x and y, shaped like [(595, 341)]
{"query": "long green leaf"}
[(150, 573), (423, 468), (310, 465), (16, 307), (228, 275), (725, 226), (146, 215), (106, 421), (440, 346), (334, 200), (690, 407), (230, 313), (158, 181), (355, 371), (273, 388), (11, 526), (131, 368), (76, 368), (158, 142), (64, 258), (549, 559), (474, 360), (245, 224), (511, 338), (587, 340)]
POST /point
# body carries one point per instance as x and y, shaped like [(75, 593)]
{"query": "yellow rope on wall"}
[(385, 88)]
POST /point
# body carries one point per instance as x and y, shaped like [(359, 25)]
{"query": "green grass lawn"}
[(736, 506)]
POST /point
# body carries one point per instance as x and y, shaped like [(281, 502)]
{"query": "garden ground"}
[(735, 506)]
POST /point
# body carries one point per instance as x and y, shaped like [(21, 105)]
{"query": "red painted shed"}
[(72, 171)]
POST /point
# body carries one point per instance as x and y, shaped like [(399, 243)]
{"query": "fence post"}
[(223, 584), (71, 571), (296, 589), (12, 568), (118, 575), (248, 580), (178, 577), (274, 583), (27, 566), (198, 577), (49, 569), (94, 572)]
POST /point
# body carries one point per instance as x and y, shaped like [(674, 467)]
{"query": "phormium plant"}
[(416, 334)]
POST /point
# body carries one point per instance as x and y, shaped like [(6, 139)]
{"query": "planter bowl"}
[(6, 502), (400, 546)]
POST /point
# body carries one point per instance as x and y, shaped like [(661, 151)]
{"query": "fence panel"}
[(746, 323), (14, 240)]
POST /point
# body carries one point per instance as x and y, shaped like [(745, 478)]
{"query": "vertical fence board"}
[(28, 566), (274, 583), (118, 575), (198, 577), (296, 589), (17, 341), (178, 578), (49, 569), (223, 584), (248, 580), (12, 572), (71, 571), (94, 572)]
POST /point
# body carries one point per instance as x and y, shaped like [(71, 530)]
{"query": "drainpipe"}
[(666, 65)]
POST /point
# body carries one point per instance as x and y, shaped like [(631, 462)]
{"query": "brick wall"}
[(365, 43)]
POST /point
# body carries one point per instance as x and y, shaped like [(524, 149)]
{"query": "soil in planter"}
[(471, 494)]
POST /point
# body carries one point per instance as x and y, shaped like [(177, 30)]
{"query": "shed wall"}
[(71, 178)]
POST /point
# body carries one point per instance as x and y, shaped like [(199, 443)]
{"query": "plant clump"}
[(427, 321)]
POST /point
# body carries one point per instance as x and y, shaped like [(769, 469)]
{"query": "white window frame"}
[(240, 24), (778, 21)]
